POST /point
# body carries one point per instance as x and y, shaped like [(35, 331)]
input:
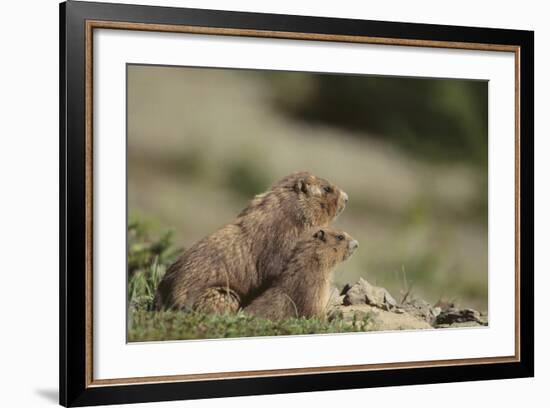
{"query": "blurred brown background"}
[(411, 154)]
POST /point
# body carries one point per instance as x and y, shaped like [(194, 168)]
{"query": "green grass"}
[(149, 256), (177, 325)]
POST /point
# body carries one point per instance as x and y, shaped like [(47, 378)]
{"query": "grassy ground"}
[(149, 255), (177, 325)]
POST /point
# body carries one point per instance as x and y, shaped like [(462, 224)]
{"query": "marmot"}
[(303, 287), (221, 271)]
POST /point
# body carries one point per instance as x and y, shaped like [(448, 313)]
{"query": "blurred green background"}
[(411, 153)]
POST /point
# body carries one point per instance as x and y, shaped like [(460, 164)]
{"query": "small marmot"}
[(221, 271), (303, 287)]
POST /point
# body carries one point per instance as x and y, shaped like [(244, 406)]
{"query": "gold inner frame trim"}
[(93, 24)]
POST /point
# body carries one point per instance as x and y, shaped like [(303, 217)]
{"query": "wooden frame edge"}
[(517, 198), (89, 205)]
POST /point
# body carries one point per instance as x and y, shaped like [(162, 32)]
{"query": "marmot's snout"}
[(342, 201), (352, 246)]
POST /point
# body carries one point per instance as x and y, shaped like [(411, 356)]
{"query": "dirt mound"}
[(362, 299)]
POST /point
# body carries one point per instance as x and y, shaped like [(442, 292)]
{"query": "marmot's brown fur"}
[(303, 287), (225, 269)]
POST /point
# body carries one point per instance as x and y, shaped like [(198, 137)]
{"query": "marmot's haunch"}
[(303, 287), (228, 267)]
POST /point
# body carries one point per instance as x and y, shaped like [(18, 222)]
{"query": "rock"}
[(378, 319), (454, 317), (363, 293), (421, 309), (457, 325), (335, 299), (345, 289)]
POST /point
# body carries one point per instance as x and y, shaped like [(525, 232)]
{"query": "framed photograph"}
[(257, 204)]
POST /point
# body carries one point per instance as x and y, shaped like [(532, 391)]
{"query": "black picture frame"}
[(75, 388)]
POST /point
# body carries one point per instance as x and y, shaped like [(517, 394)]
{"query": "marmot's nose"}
[(353, 245), (345, 197)]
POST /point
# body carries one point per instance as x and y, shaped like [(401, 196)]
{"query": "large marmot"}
[(231, 265), (303, 287)]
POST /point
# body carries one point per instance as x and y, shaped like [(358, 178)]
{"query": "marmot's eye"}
[(340, 237), (328, 189), (320, 235)]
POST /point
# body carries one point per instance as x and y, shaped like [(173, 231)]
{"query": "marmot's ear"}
[(320, 235), (307, 186), (301, 186)]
